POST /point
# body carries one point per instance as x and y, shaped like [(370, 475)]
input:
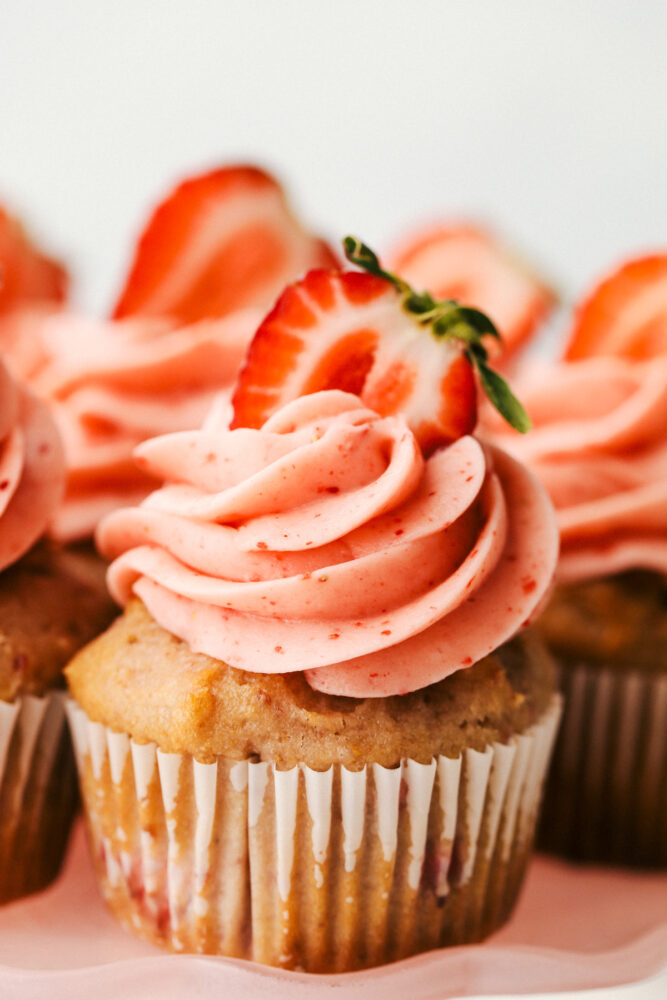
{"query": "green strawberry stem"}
[(449, 320)]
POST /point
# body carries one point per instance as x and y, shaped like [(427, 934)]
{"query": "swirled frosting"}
[(599, 445), (325, 542), (114, 385), (32, 469)]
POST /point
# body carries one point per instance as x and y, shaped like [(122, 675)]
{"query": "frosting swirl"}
[(114, 385), (325, 542), (31, 469), (598, 445)]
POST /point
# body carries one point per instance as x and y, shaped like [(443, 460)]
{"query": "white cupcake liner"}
[(323, 871), (37, 792), (606, 798)]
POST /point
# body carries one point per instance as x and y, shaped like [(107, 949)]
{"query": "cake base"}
[(325, 871)]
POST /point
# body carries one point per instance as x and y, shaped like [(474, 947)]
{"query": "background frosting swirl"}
[(113, 385), (32, 470), (325, 542), (599, 446)]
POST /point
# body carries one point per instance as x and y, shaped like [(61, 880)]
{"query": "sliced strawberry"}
[(220, 242), (469, 265), (26, 275), (626, 315), (348, 330)]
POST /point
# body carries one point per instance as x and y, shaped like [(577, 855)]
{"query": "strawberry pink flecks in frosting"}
[(599, 445), (325, 542), (115, 384), (32, 469)]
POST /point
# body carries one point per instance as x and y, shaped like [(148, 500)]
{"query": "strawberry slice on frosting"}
[(368, 332), (221, 241)]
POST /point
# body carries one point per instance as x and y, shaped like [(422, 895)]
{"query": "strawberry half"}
[(626, 315), (470, 265), (220, 242), (371, 334), (26, 275)]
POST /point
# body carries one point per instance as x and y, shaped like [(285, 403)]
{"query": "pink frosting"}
[(325, 542), (599, 445), (114, 385), (32, 469)]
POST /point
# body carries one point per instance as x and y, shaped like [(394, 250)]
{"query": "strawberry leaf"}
[(453, 321), (365, 258), (500, 395), (478, 321)]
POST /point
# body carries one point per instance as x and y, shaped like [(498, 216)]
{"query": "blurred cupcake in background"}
[(214, 253), (112, 385), (314, 738), (598, 445), (50, 605), (32, 286)]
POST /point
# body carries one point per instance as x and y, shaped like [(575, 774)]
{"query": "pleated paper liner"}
[(323, 871), (606, 798), (38, 793)]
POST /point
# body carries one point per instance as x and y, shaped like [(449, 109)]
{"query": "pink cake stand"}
[(574, 929)]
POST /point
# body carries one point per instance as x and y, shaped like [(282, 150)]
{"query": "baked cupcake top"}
[(31, 469), (187, 702)]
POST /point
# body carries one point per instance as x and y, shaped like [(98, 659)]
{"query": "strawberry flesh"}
[(626, 315), (469, 265), (347, 330), (221, 241), (26, 275)]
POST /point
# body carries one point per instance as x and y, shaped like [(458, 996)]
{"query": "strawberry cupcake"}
[(598, 445), (317, 735), (50, 605)]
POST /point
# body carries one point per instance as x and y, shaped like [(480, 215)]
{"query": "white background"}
[(545, 119)]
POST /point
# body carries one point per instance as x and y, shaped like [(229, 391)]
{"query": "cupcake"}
[(598, 445), (314, 738), (51, 603)]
